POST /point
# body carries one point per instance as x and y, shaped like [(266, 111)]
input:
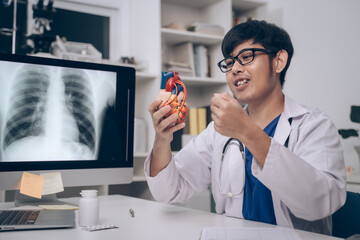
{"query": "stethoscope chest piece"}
[(229, 194)]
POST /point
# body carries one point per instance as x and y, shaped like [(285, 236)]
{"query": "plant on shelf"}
[(346, 133)]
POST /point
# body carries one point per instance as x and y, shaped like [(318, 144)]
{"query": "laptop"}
[(36, 219)]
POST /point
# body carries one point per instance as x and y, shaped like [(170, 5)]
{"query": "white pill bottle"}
[(88, 208)]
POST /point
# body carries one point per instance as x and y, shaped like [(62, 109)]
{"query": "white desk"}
[(152, 220), (353, 182)]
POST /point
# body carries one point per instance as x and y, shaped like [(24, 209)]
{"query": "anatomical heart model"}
[(173, 93)]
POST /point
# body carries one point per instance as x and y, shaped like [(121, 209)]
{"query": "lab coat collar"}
[(292, 110)]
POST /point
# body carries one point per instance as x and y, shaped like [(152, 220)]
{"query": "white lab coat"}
[(306, 179)]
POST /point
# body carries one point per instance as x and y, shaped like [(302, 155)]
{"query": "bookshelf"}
[(153, 41), (187, 13), (138, 30)]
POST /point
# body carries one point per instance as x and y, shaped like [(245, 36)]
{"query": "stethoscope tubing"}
[(241, 148)]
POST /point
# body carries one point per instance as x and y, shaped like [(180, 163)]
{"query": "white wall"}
[(325, 72)]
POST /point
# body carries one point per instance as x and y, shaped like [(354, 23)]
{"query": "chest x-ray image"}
[(52, 113)]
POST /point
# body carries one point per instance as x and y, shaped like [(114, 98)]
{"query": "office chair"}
[(346, 220)]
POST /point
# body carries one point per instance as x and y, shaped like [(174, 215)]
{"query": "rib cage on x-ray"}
[(30, 95), (80, 104), (28, 99)]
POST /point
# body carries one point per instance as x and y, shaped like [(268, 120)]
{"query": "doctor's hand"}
[(164, 125), (233, 121), (230, 119)]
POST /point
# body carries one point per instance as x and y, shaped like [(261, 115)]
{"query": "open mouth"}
[(241, 82)]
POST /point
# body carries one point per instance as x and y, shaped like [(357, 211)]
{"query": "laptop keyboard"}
[(18, 217)]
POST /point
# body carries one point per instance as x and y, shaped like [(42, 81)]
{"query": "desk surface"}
[(152, 220), (354, 178)]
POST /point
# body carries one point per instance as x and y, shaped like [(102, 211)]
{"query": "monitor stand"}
[(24, 200)]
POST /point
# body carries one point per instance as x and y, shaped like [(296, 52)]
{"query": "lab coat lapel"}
[(284, 127), (283, 130), (292, 110)]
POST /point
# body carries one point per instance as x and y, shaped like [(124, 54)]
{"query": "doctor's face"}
[(256, 81)]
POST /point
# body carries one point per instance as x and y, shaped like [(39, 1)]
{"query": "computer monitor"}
[(76, 118)]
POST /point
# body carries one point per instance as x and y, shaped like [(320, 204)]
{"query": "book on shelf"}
[(182, 68), (186, 129), (199, 118), (201, 61), (196, 122), (176, 143), (208, 114), (208, 28), (183, 136), (189, 60), (182, 60), (193, 125)]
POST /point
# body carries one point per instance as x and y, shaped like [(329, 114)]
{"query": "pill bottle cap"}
[(88, 193)]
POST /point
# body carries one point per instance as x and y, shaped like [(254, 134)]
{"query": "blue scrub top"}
[(258, 204)]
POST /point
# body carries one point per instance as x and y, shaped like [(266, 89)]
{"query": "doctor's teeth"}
[(239, 83)]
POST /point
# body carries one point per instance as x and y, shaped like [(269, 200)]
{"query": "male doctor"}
[(274, 161)]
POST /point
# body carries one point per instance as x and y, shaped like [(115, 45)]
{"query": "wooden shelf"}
[(174, 37)]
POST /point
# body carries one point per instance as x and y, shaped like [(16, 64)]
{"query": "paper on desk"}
[(249, 233), (31, 185), (59, 207), (52, 183)]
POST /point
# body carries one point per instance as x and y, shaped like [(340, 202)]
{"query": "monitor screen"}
[(67, 116)]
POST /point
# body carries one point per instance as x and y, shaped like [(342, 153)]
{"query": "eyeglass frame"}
[(242, 151), (264, 50)]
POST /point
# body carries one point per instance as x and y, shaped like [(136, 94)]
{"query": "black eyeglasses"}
[(244, 57)]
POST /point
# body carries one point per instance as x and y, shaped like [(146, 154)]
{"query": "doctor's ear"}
[(281, 60)]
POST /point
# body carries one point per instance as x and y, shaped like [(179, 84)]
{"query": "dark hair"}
[(268, 35)]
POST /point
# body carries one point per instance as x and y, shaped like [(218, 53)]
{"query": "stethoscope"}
[(242, 151)]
